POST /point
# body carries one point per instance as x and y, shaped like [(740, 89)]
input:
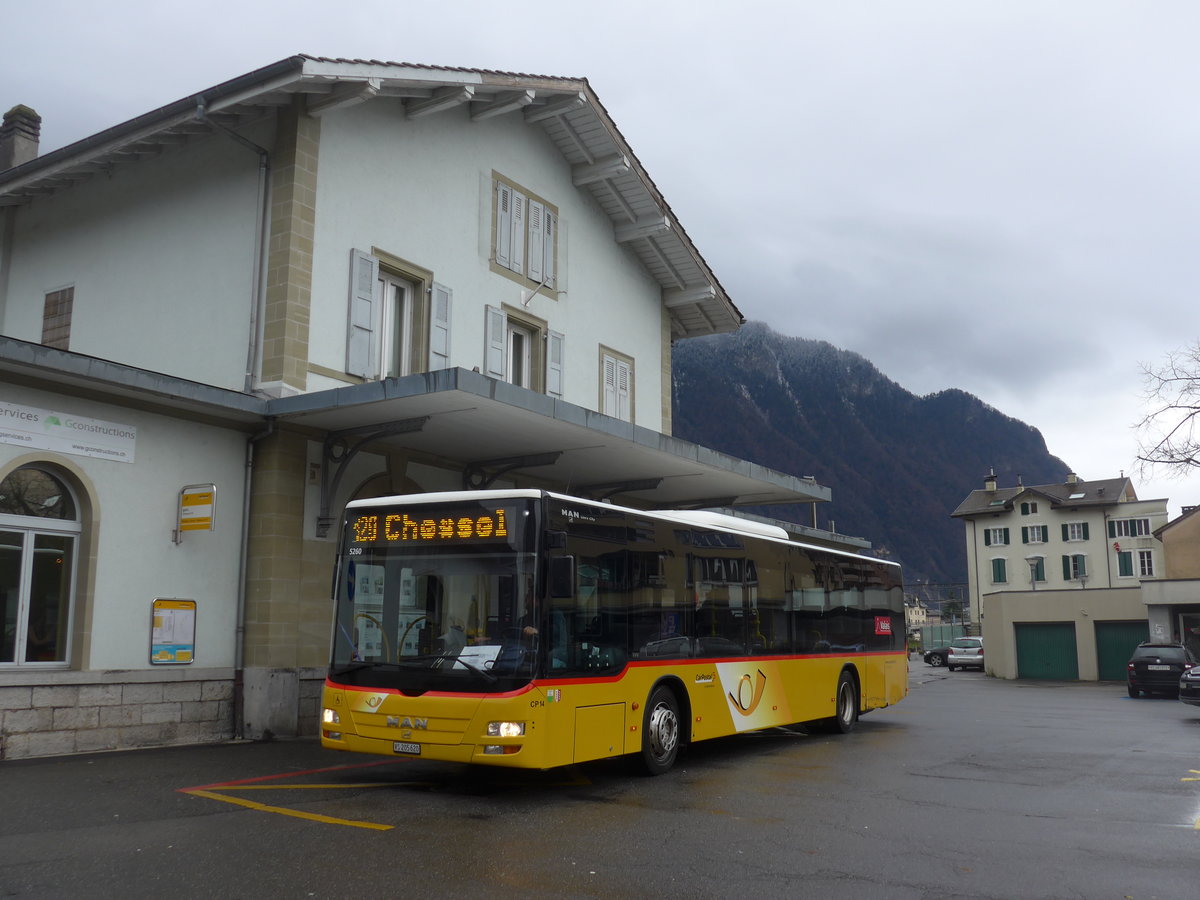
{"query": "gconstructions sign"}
[(43, 429)]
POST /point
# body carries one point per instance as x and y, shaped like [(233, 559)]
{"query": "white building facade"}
[(1054, 574)]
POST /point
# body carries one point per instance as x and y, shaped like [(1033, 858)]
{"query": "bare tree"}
[(1170, 431)]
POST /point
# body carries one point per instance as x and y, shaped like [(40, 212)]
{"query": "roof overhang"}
[(452, 414), (566, 109), (447, 416)]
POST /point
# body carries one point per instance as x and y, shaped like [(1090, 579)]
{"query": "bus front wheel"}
[(845, 708), (660, 731)]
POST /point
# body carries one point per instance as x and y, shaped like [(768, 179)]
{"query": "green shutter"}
[(1006, 540), (1112, 528), (1085, 531), (1024, 535), (1040, 572), (987, 537), (1066, 566), (1125, 563), (1066, 532), (1081, 564)]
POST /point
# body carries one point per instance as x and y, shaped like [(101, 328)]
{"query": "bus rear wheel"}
[(660, 731)]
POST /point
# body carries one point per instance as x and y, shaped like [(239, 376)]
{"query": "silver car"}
[(965, 652)]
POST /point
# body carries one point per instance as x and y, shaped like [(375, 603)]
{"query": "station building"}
[(322, 280)]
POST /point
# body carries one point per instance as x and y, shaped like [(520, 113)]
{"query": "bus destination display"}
[(441, 526)]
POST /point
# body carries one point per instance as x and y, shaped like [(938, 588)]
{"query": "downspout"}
[(258, 292), (239, 638)]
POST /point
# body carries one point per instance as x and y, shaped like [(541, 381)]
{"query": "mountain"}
[(897, 464)]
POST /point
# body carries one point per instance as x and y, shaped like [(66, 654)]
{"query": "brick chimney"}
[(19, 136)]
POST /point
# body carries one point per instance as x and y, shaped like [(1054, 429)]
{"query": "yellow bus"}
[(532, 629)]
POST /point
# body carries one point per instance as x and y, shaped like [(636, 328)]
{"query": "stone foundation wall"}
[(58, 713), (50, 714)]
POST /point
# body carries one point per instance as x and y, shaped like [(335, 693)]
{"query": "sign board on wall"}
[(173, 632), (44, 429), (197, 509)]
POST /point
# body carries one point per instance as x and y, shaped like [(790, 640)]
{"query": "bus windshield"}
[(435, 615)]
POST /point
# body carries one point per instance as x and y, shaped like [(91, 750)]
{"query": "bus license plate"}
[(406, 747)]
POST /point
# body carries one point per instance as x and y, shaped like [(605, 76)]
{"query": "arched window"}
[(39, 536)]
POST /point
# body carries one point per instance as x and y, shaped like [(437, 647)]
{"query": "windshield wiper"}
[(438, 658)]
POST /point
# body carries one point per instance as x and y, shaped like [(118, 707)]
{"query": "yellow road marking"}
[(262, 807)]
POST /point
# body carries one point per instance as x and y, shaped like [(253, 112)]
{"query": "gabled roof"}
[(1080, 493), (1187, 513), (567, 110)]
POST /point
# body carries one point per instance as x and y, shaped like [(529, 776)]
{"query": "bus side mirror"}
[(562, 577)]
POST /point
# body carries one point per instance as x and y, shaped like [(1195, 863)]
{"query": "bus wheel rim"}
[(664, 731)]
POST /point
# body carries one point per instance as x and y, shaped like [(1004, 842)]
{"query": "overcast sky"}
[(998, 197)]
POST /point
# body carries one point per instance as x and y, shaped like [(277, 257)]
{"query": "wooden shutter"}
[(1066, 531), (1112, 528), (494, 329), (624, 385), (517, 256), (536, 240), (362, 354), (1006, 540), (439, 327), (987, 537), (1066, 561), (554, 364), (1085, 531), (1024, 535), (549, 246), (503, 224), (610, 386)]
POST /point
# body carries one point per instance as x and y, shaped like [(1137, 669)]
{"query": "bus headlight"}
[(506, 729), (331, 717)]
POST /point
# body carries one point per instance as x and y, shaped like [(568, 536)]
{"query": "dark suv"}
[(1157, 668)]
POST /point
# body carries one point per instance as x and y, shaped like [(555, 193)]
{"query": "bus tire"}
[(845, 707), (660, 731)]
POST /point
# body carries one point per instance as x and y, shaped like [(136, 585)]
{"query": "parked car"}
[(937, 656), (965, 653), (1189, 686), (1157, 668)]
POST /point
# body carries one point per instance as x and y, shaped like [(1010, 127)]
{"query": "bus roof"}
[(696, 518)]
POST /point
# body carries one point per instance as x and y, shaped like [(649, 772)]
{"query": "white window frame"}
[(540, 366), (1138, 526), (396, 336), (997, 537), (1075, 531), (399, 318), (1037, 534), (1145, 563), (30, 528)]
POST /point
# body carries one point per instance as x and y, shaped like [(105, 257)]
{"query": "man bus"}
[(532, 629)]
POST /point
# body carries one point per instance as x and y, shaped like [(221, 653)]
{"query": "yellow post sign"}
[(197, 509)]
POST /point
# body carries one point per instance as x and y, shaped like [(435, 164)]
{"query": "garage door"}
[(1047, 650), (1114, 645)]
